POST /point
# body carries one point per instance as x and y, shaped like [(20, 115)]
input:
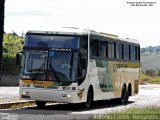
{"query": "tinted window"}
[(84, 46), (102, 49), (132, 52), (51, 41), (114, 47), (94, 47), (121, 51), (116, 50), (136, 53), (126, 52), (111, 49), (129, 52)]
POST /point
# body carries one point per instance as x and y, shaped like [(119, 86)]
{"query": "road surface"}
[(148, 97)]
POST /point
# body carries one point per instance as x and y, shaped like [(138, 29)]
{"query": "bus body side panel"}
[(94, 74), (108, 78), (124, 73)]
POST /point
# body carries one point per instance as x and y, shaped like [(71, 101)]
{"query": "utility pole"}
[(2, 7)]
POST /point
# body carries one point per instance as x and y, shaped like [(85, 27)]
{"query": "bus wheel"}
[(89, 100), (127, 96), (129, 93), (40, 104), (123, 95)]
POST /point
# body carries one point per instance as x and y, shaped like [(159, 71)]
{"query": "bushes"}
[(150, 72), (9, 66), (12, 43)]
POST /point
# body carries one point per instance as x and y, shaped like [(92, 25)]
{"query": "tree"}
[(1, 32)]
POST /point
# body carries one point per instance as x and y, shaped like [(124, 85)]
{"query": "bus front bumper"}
[(50, 95)]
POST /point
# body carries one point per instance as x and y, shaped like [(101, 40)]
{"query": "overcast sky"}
[(110, 16)]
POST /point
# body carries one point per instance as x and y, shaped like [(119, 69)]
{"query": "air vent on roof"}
[(109, 34), (93, 31), (71, 27)]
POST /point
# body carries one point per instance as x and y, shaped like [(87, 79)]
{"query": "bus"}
[(78, 66)]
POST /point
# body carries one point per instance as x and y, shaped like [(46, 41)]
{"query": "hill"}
[(150, 58)]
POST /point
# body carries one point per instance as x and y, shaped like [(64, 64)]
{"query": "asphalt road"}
[(148, 97)]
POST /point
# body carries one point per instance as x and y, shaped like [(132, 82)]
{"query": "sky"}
[(110, 16)]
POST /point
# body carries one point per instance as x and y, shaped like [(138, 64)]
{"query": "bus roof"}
[(62, 31), (77, 31)]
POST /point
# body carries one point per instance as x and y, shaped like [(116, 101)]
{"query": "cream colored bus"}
[(78, 66)]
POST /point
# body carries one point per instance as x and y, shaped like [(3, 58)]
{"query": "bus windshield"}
[(46, 41), (48, 65)]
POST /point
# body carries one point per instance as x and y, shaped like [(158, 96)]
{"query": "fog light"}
[(68, 95), (65, 95), (25, 95)]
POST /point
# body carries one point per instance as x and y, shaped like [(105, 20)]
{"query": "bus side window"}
[(121, 51), (111, 49), (102, 49), (79, 69), (136, 53), (139, 53), (106, 49), (129, 52), (117, 51), (126, 51), (82, 69), (132, 52), (94, 48), (84, 46)]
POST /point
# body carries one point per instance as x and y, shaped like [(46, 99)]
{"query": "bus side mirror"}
[(18, 59)]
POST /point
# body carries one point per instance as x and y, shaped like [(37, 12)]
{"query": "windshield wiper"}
[(53, 71)]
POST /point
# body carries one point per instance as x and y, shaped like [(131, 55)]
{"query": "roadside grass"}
[(148, 79), (155, 80), (144, 77), (23, 104), (17, 105), (132, 114), (141, 111)]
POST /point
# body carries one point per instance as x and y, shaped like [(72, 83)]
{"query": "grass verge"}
[(155, 80), (132, 114), (148, 79), (16, 105)]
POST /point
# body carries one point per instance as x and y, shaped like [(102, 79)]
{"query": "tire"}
[(127, 97), (40, 104), (89, 100), (123, 95), (128, 93)]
